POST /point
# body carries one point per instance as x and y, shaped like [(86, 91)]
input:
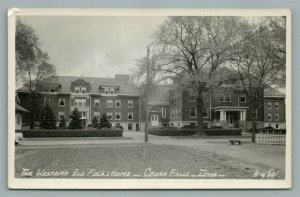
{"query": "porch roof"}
[(229, 108)]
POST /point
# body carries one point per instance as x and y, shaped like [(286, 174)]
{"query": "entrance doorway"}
[(154, 120)]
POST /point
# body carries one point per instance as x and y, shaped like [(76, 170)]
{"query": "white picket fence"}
[(270, 138)]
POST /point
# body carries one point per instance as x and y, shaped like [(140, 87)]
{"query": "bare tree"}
[(260, 60), (192, 48)]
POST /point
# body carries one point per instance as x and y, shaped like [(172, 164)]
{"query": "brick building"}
[(92, 97), (274, 107)]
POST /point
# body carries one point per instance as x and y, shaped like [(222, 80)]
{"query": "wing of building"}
[(92, 96)]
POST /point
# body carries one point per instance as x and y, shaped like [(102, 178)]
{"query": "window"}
[(110, 103), (61, 115), (118, 116), (19, 119), (117, 103), (130, 116), (193, 98), (193, 112), (83, 114), (205, 113), (277, 126), (277, 117), (130, 103), (269, 117), (269, 105), (80, 102), (179, 113), (46, 101), (77, 89), (97, 103), (129, 127), (83, 89), (97, 115), (276, 105), (108, 90), (256, 113), (163, 112), (61, 102), (243, 98), (226, 97), (109, 115)]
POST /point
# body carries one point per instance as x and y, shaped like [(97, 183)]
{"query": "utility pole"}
[(147, 96)]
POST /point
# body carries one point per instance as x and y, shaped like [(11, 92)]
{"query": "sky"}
[(94, 46)]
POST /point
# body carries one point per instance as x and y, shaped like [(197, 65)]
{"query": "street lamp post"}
[(147, 97)]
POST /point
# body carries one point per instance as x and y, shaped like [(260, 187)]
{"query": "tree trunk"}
[(199, 103), (253, 121)]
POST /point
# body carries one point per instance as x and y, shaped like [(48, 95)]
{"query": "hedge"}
[(186, 132), (105, 132)]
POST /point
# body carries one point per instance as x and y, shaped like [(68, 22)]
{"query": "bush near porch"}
[(187, 132), (40, 133)]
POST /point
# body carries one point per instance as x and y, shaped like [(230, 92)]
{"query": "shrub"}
[(62, 123), (47, 119), (104, 122), (172, 132), (186, 132), (75, 122), (220, 132), (40, 133), (119, 126), (95, 122)]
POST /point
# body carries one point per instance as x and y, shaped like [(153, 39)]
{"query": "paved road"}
[(269, 155)]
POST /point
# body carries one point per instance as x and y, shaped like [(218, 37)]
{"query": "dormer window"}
[(77, 89), (108, 90), (53, 88), (80, 89)]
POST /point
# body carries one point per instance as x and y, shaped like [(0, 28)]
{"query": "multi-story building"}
[(92, 97), (274, 107)]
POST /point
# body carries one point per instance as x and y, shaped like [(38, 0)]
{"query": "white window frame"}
[(269, 105), (163, 112), (269, 117), (96, 113), (110, 114), (131, 115), (131, 126), (80, 100), (83, 88), (96, 101), (108, 102), (223, 96), (207, 114), (130, 102), (277, 117), (116, 113), (64, 100), (77, 88), (277, 105), (118, 101), (60, 113), (191, 112), (241, 97)]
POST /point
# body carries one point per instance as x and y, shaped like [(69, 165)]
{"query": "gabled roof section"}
[(272, 92), (95, 82)]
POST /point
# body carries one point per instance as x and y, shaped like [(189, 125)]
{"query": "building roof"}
[(160, 95), (272, 92), (19, 108), (95, 82)]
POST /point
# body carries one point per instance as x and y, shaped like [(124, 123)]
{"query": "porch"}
[(229, 116)]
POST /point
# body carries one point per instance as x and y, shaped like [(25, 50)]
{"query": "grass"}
[(139, 160)]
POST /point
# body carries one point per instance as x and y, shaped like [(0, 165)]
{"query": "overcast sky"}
[(96, 46)]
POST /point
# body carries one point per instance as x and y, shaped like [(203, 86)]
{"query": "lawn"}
[(134, 161)]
